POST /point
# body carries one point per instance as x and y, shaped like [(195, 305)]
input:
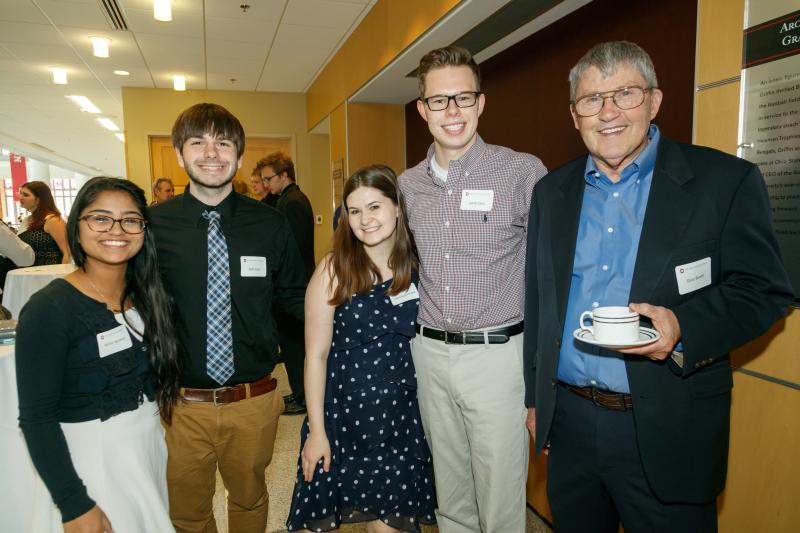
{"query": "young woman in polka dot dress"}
[(364, 456)]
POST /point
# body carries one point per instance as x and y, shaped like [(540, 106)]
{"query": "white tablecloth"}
[(25, 503), (21, 283)]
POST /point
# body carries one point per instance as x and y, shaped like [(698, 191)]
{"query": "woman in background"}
[(45, 232), (96, 360), (364, 456)]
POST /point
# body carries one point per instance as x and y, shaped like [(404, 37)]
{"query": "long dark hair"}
[(46, 207), (352, 269), (143, 286)]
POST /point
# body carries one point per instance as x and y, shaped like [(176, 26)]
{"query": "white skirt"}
[(123, 463)]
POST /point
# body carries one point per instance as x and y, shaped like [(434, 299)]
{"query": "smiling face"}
[(28, 200), (372, 217), (112, 247), (454, 129), (614, 137), (211, 162)]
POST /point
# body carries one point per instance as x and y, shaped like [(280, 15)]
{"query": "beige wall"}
[(153, 111), (762, 490)]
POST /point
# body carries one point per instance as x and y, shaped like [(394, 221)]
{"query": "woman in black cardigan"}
[(96, 362)]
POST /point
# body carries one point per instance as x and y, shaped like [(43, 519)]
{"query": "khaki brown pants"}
[(237, 438), (472, 402)]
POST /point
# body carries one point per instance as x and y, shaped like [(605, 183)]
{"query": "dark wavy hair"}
[(143, 286), (352, 269), (46, 207)]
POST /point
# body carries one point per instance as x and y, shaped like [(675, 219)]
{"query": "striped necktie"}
[(219, 335)]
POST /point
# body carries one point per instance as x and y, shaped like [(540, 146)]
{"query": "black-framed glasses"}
[(624, 98), (269, 178), (103, 223), (440, 102)]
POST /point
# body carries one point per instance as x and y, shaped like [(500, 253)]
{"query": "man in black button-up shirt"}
[(265, 268)]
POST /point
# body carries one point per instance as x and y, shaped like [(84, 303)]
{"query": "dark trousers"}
[(291, 338), (596, 480)]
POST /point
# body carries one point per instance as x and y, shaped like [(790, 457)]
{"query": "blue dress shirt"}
[(605, 255)]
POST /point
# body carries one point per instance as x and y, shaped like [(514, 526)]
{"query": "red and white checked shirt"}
[(472, 263)]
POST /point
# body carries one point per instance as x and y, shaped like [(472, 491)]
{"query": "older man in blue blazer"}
[(680, 233)]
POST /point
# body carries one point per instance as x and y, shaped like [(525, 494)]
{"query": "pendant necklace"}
[(103, 296)]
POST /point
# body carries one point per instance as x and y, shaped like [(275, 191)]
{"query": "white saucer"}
[(646, 336)]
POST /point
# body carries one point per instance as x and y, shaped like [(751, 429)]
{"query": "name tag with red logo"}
[(693, 276), (477, 200)]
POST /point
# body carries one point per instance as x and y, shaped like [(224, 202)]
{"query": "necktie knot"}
[(212, 216)]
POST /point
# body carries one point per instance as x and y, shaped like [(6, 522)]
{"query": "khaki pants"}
[(472, 401), (238, 439)]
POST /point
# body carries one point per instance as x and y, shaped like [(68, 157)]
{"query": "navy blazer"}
[(702, 203)]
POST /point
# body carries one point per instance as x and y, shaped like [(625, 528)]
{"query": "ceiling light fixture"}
[(122, 73), (100, 46), (162, 10), (85, 103), (179, 83), (120, 136), (108, 124), (59, 75), (5, 152)]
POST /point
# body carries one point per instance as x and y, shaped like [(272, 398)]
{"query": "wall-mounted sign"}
[(769, 134), (19, 173)]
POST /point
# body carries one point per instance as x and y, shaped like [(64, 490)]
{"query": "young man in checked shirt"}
[(467, 204)]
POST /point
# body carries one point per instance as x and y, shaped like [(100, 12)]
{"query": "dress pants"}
[(472, 402), (595, 478), (237, 438), (291, 338)]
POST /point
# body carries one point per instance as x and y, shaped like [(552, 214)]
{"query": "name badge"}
[(409, 294), (693, 276), (254, 266), (113, 341), (477, 200)]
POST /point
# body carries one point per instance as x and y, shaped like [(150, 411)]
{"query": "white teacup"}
[(612, 324)]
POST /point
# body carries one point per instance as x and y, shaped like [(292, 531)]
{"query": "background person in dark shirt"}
[(227, 418), (277, 173)]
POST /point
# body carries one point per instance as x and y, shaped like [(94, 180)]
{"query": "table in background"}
[(25, 503), (21, 283)]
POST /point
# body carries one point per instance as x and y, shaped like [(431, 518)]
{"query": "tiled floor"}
[(282, 472)]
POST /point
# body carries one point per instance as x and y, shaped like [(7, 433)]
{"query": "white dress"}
[(123, 463)]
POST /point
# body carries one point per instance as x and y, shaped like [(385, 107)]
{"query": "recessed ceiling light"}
[(5, 152), (120, 136), (100, 46), (179, 83), (59, 75), (122, 73), (108, 124), (162, 10), (85, 103)]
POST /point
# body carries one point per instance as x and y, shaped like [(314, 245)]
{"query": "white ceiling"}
[(275, 45)]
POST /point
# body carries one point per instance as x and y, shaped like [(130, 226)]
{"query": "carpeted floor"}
[(282, 472)]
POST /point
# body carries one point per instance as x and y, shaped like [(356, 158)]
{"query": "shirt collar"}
[(468, 161), (643, 165), (195, 208)]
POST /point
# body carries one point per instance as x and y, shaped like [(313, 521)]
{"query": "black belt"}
[(616, 401), (494, 336)]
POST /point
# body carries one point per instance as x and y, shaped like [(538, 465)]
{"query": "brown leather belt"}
[(494, 336), (616, 401), (238, 392)]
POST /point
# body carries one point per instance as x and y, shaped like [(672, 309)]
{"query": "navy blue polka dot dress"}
[(380, 462)]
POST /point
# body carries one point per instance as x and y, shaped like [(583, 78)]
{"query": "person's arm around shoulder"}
[(319, 332), (14, 248), (56, 228)]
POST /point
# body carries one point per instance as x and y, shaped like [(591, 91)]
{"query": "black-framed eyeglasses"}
[(269, 178), (624, 98), (440, 102), (103, 223)]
